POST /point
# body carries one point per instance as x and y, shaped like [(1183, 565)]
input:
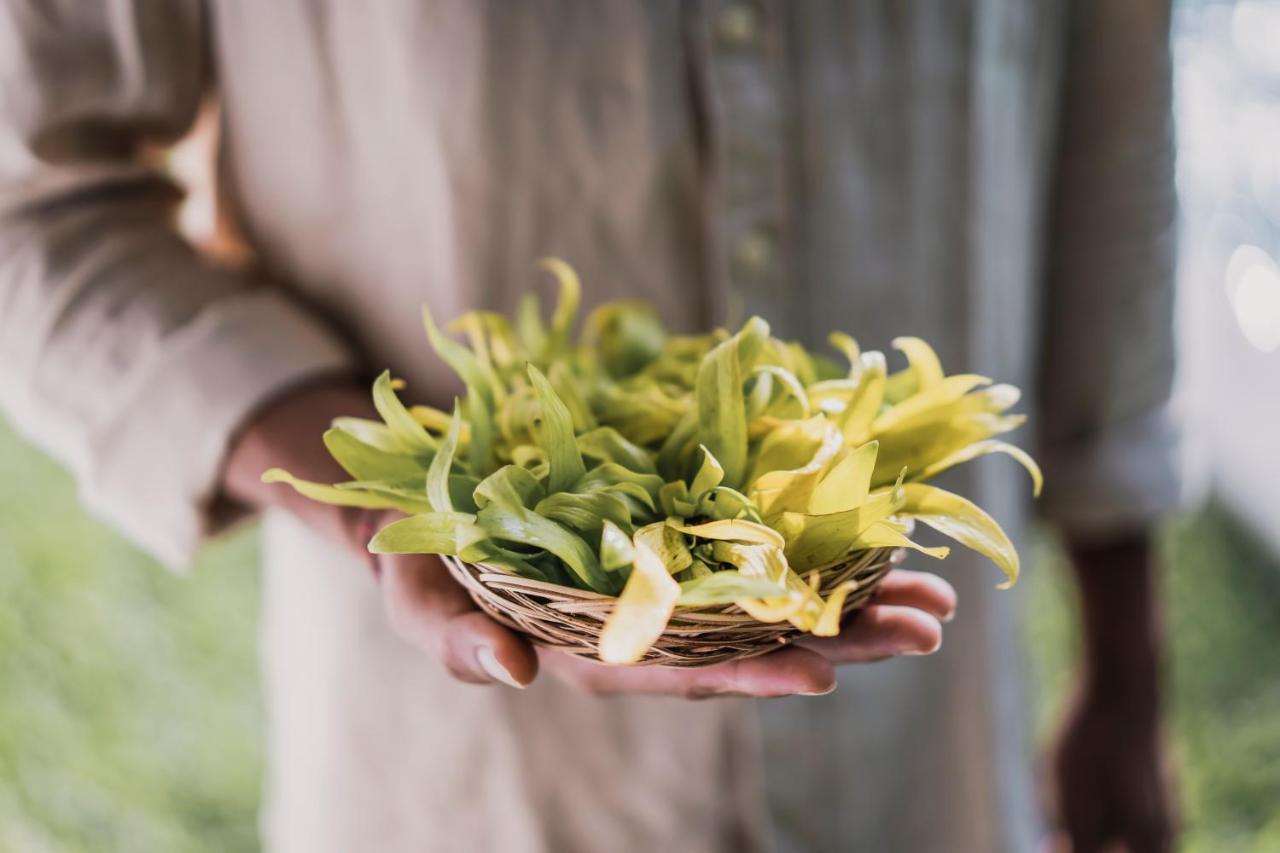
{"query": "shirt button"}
[(753, 253), (738, 24)]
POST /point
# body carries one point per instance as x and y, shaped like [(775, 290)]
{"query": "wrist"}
[(1122, 645), (1130, 678), (1122, 636), (288, 433)]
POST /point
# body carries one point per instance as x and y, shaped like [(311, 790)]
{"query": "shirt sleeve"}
[(121, 352), (1107, 441)]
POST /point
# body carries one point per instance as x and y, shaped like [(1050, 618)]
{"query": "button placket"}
[(746, 90)]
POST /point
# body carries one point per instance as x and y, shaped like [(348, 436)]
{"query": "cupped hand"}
[(429, 610), (904, 618)]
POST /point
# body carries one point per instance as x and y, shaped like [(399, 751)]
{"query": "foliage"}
[(720, 454), (129, 712)]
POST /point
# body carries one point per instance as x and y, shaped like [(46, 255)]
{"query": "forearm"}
[(1121, 624), (124, 354)]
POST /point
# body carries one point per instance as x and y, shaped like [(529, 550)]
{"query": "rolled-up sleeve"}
[(1107, 439), (121, 352)]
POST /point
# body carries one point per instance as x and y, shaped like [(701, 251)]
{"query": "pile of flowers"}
[(672, 470)]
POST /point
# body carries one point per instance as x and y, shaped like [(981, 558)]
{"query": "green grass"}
[(129, 707)]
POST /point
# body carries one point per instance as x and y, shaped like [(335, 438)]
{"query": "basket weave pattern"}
[(570, 620)]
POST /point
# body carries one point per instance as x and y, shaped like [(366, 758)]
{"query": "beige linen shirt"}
[(993, 175)]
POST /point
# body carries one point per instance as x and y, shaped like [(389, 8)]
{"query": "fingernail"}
[(948, 617), (830, 689), (919, 652), (489, 663)]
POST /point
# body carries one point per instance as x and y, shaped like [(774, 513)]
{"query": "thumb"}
[(429, 610)]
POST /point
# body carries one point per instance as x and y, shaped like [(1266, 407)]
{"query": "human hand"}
[(1108, 762), (429, 610), (423, 604), (1110, 774), (904, 618)]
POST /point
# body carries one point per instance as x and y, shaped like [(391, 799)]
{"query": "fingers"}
[(782, 673), (1083, 839), (921, 590), (1098, 821), (430, 611), (878, 632), (1151, 836), (904, 619), (1149, 824), (1081, 798)]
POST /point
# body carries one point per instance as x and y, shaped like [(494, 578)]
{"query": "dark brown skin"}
[(1111, 780)]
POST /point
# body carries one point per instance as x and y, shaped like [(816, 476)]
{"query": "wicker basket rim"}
[(571, 620), (497, 576)]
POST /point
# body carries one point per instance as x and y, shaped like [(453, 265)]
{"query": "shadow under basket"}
[(570, 620)]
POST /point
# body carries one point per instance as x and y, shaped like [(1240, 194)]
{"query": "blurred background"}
[(129, 713)]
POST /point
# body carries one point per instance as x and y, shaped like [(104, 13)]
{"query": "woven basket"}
[(570, 620)]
